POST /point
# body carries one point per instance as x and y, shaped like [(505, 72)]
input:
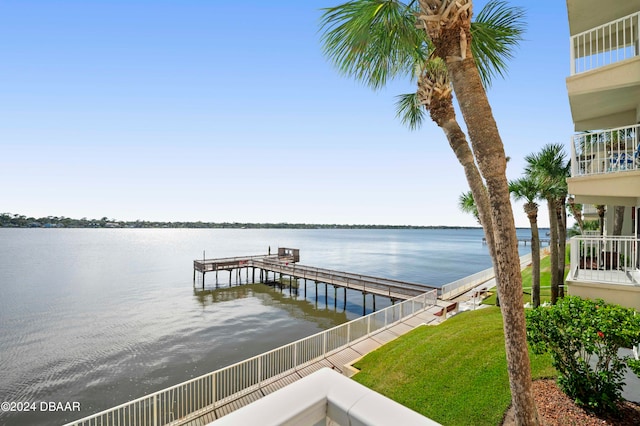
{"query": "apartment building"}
[(604, 95)]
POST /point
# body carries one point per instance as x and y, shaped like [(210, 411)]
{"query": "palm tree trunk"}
[(443, 114), (553, 248), (491, 159), (601, 211), (561, 212), (447, 23), (535, 259), (577, 214), (618, 219)]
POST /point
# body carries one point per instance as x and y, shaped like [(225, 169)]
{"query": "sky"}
[(215, 111)]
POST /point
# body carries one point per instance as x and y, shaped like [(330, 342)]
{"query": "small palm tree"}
[(528, 190), (551, 168)]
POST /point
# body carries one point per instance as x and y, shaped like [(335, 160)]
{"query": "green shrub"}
[(583, 337), (634, 365)]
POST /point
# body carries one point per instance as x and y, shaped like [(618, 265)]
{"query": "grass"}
[(545, 281), (455, 373)]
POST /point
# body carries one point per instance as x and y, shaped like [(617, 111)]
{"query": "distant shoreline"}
[(9, 220)]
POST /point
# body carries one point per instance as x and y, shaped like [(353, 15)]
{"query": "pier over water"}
[(206, 398), (278, 267)]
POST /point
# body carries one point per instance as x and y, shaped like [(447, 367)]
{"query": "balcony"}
[(604, 83), (606, 44), (607, 268), (606, 151)]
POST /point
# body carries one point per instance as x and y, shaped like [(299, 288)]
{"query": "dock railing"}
[(456, 288), (346, 279), (197, 396)]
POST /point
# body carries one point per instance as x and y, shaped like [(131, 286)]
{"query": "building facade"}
[(604, 95)]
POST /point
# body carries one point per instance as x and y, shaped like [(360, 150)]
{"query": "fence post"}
[(155, 410), (214, 383)]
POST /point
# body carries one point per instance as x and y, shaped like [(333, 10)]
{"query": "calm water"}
[(101, 316)]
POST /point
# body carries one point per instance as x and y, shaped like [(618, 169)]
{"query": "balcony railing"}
[(605, 259), (606, 151), (606, 44)]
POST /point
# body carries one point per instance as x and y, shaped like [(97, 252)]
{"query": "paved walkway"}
[(338, 361)]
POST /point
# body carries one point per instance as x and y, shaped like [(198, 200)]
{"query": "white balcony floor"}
[(630, 278)]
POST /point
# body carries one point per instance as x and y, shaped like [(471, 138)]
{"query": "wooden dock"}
[(285, 264)]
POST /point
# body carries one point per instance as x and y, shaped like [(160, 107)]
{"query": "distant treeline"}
[(9, 220)]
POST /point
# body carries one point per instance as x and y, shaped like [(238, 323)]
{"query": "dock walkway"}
[(285, 264)]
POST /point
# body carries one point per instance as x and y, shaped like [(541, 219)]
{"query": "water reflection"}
[(282, 296)]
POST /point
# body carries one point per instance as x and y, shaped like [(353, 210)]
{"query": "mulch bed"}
[(556, 408)]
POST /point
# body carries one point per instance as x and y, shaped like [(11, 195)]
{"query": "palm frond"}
[(467, 204), (495, 33), (410, 111), (525, 188), (373, 40), (550, 168)]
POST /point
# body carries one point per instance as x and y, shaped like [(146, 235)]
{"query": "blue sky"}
[(228, 111)]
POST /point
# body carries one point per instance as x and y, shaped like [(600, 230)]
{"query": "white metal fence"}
[(609, 43), (604, 259), (458, 287), (606, 151), (201, 394)]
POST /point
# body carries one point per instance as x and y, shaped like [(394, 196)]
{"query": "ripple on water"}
[(105, 316)]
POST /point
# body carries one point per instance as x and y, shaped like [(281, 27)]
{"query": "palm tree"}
[(448, 26), (350, 27), (528, 190), (374, 40), (550, 168)]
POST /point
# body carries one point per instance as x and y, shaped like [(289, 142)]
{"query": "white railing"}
[(201, 394), (609, 43), (458, 287), (608, 259), (606, 151)]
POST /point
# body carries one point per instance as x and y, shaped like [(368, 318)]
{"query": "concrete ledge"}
[(627, 295), (322, 396)]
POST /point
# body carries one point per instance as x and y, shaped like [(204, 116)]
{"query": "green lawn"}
[(545, 281), (454, 373)]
